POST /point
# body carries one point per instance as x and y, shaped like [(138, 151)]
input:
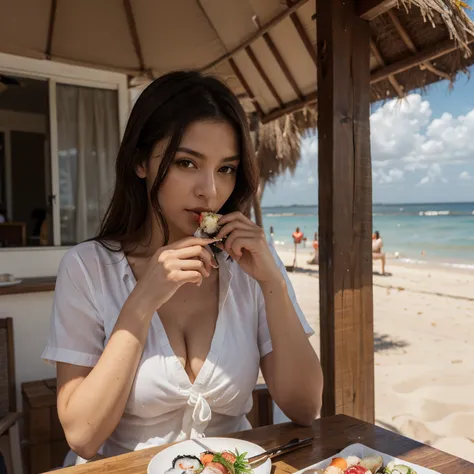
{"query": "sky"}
[(422, 151)]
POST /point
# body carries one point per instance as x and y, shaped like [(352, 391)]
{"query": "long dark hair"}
[(164, 110)]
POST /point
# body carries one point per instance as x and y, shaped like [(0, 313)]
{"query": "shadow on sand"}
[(384, 342)]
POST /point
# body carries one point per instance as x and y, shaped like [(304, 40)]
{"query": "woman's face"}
[(200, 178)]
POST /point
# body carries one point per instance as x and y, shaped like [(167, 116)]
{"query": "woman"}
[(315, 259), (155, 339), (377, 246)]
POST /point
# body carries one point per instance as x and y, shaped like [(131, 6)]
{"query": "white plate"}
[(361, 451), (163, 460), (10, 283)]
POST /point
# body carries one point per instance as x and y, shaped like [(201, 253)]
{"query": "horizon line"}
[(377, 204)]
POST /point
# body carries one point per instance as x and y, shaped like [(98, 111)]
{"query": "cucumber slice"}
[(401, 469)]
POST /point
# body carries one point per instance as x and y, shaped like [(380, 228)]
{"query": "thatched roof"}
[(265, 49), (415, 28)]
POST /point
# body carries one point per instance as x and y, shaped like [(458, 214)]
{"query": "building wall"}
[(30, 312)]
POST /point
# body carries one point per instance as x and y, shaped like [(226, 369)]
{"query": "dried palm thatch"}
[(278, 148), (452, 13), (448, 21), (279, 143)]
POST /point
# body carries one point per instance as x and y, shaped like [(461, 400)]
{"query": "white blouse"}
[(164, 406)]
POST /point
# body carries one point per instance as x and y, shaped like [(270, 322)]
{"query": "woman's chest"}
[(226, 377)]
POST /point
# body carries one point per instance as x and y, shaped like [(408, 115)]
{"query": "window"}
[(54, 194), (25, 163), (88, 141)]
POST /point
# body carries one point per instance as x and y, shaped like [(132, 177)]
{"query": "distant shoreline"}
[(284, 206)]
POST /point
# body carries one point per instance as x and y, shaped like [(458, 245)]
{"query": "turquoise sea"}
[(440, 233)]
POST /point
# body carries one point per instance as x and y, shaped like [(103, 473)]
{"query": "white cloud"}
[(404, 135), (386, 177), (413, 154), (434, 174)]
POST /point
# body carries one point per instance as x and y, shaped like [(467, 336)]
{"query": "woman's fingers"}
[(235, 216), (232, 226), (234, 238), (192, 264), (189, 276), (191, 242)]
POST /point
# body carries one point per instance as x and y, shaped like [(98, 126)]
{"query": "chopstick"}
[(279, 450), (292, 445)]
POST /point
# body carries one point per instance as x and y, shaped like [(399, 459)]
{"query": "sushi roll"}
[(186, 464), (215, 468), (352, 461), (372, 463), (206, 457), (208, 224)]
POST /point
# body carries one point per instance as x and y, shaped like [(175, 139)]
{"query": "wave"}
[(288, 214), (379, 213), (434, 213), (461, 266)]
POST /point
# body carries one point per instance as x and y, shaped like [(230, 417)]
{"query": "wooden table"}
[(30, 285), (332, 435)]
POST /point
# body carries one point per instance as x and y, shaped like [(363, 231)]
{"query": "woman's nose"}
[(206, 186)]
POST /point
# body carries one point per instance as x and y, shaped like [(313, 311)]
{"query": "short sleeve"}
[(264, 339), (76, 332)]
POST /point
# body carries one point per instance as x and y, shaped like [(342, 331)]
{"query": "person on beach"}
[(315, 259), (377, 245), (297, 239), (157, 336), (271, 240)]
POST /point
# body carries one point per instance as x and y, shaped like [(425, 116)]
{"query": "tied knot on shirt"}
[(202, 413)]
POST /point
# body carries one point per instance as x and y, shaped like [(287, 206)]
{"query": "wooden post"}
[(345, 210)]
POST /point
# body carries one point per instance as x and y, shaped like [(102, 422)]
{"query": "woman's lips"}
[(196, 215)]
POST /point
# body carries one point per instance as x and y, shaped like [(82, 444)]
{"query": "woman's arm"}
[(91, 401), (292, 370)]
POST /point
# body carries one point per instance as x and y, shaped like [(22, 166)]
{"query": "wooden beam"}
[(411, 46), (345, 211), (392, 79), (370, 9), (427, 54), (132, 26), (263, 75), (52, 21), (246, 86), (258, 34), (290, 107), (310, 47), (286, 70)]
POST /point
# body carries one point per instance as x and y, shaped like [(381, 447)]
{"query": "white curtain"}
[(88, 139)]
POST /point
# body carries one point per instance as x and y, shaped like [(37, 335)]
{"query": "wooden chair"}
[(262, 410), (9, 417), (12, 234)]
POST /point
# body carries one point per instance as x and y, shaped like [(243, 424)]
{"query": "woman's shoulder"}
[(91, 254)]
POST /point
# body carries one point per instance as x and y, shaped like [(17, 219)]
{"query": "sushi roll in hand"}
[(208, 225)]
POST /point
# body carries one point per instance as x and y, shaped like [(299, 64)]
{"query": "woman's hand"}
[(184, 261), (247, 245)]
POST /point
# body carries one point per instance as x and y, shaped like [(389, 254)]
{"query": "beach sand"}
[(424, 349)]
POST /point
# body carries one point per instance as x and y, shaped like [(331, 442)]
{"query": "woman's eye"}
[(185, 164), (228, 170)]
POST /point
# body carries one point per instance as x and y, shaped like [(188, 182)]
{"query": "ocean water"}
[(438, 233)]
